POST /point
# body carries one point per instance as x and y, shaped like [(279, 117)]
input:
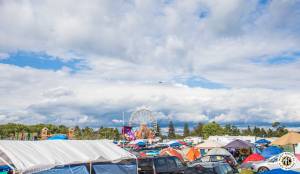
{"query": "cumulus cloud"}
[(134, 52)]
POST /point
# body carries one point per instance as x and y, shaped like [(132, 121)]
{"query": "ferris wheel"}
[(143, 116)]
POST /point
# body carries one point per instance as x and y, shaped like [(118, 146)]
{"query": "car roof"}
[(211, 164)]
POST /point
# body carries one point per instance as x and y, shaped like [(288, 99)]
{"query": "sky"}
[(86, 62)]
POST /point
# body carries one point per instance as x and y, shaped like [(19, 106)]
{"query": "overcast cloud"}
[(191, 60)]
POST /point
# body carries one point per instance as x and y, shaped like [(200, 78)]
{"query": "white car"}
[(270, 164)]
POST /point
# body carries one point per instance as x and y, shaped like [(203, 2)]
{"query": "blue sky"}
[(198, 61)]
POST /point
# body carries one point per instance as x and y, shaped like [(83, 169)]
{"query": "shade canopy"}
[(239, 144), (271, 151), (208, 144), (27, 156), (290, 138), (254, 157)]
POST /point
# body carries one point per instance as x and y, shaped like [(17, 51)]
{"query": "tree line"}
[(210, 129), (33, 132)]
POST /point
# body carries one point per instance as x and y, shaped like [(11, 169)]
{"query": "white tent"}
[(219, 151), (29, 156), (209, 144)]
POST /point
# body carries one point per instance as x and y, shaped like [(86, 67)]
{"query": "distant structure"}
[(44, 133), (71, 133)]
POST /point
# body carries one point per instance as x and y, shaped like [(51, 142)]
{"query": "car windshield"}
[(273, 159)]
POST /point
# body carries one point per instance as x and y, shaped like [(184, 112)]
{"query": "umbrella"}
[(280, 171), (271, 151), (290, 138), (254, 157), (192, 154), (262, 141), (208, 145), (239, 144), (171, 152)]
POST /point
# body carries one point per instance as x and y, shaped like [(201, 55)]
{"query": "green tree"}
[(212, 128), (171, 131), (186, 130), (158, 130), (198, 130)]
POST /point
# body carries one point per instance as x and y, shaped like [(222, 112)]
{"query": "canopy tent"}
[(262, 141), (290, 138), (208, 144), (280, 171), (271, 151), (192, 154), (28, 156), (239, 144), (58, 137), (171, 152), (254, 157)]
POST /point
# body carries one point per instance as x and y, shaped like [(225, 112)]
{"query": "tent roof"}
[(219, 151), (208, 144), (262, 141), (271, 151), (237, 144), (40, 155), (254, 157), (280, 171), (288, 139)]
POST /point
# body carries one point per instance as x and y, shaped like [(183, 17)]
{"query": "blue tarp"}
[(271, 151), (262, 141), (115, 168), (58, 137), (66, 170), (280, 171)]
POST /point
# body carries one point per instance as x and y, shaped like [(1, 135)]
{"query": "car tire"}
[(262, 169)]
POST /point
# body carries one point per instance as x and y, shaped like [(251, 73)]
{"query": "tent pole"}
[(294, 149), (90, 167)]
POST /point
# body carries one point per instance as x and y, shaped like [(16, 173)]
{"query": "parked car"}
[(270, 164), (159, 165), (210, 168), (216, 158)]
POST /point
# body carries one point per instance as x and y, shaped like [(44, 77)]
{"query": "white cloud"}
[(129, 47)]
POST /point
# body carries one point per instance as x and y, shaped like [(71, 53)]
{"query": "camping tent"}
[(271, 151), (239, 144), (174, 143), (219, 151), (262, 141), (193, 154), (171, 152), (254, 157), (58, 137), (208, 144), (28, 156), (280, 171)]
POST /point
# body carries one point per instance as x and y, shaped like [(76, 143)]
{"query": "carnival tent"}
[(239, 144), (271, 151), (26, 156), (253, 157), (208, 144)]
